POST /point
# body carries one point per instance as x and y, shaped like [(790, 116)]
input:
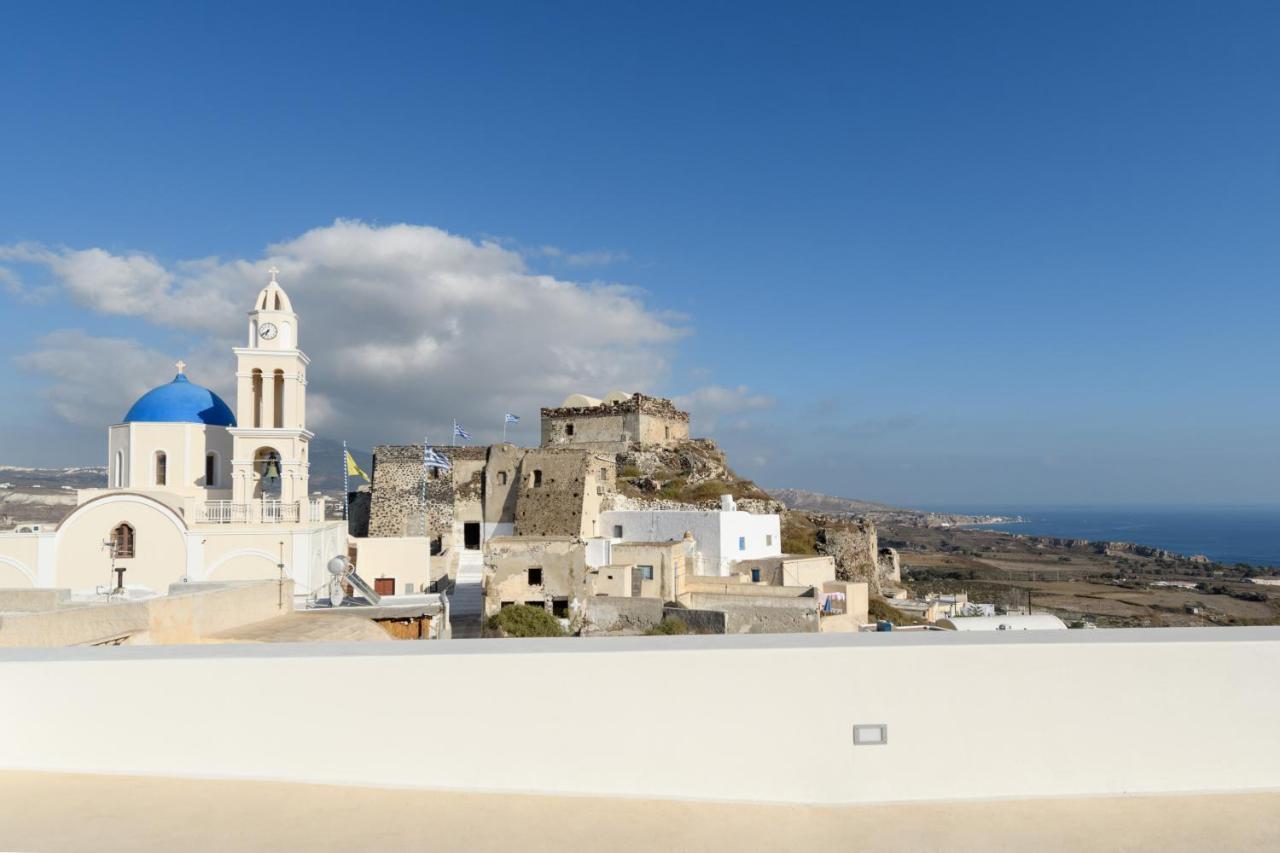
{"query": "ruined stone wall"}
[(396, 499), (502, 483), (856, 550), (616, 425), (603, 429), (889, 568), (490, 485), (609, 615), (659, 429), (561, 492), (468, 480), (507, 560)]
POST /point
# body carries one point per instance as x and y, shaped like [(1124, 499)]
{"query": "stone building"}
[(541, 571), (499, 490), (615, 423)]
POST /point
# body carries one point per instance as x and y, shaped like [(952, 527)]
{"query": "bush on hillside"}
[(879, 609), (669, 625), (521, 620)]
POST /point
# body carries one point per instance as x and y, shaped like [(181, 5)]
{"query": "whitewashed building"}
[(724, 536), (196, 491)]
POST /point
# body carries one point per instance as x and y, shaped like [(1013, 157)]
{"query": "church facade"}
[(196, 491)]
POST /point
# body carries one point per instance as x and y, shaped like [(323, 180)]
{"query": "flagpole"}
[(454, 443), (426, 534), (504, 429), (346, 487)]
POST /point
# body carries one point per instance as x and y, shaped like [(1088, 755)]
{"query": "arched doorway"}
[(267, 474)]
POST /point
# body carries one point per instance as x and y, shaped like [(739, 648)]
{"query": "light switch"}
[(870, 735)]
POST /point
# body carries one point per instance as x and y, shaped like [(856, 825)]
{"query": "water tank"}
[(884, 625)]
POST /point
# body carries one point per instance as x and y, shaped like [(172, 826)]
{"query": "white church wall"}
[(119, 457), (20, 559), (84, 563)]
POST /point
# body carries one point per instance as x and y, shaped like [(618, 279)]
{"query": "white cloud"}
[(94, 380), (407, 327), (711, 402)]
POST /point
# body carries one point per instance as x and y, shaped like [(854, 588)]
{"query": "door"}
[(471, 535)]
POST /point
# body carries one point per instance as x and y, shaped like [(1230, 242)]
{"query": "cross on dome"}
[(181, 365), (273, 272)]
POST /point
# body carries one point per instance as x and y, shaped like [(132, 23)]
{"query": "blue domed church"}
[(198, 490)]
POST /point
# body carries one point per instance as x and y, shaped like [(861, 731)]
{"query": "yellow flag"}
[(353, 470)]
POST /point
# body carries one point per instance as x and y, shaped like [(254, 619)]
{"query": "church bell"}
[(272, 469)]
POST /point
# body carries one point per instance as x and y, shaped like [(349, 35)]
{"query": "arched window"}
[(162, 465), (277, 399), (210, 469), (537, 478), (117, 476), (122, 540), (257, 397)]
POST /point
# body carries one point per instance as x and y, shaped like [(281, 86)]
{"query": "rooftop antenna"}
[(118, 589), (338, 570)]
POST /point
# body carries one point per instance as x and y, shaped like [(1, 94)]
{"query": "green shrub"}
[(669, 625), (879, 608), (521, 620)]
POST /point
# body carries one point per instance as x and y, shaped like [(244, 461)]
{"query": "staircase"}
[(466, 605)]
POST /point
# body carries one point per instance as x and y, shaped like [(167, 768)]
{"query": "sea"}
[(1226, 534)]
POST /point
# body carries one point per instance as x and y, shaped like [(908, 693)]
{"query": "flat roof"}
[(622, 645)]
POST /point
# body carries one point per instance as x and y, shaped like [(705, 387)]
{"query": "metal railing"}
[(257, 512)]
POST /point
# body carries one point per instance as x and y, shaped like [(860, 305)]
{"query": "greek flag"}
[(461, 433), (432, 459), (512, 419)]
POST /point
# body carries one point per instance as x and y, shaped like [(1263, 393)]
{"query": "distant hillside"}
[(815, 502), (327, 465)]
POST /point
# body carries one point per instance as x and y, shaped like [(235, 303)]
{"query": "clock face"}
[(267, 331)]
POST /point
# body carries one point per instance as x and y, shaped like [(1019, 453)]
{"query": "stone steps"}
[(466, 606)]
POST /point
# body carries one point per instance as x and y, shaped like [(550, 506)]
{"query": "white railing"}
[(222, 512), (256, 512)]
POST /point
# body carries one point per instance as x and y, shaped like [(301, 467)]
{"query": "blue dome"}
[(181, 402)]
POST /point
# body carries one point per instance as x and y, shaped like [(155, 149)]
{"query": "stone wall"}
[(615, 425), (358, 506), (495, 486), (508, 559), (889, 568), (561, 492), (609, 615), (396, 507), (699, 621), (856, 550)]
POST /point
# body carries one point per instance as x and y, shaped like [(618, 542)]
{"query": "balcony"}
[(256, 512)]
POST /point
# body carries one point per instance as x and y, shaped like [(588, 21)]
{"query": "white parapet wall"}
[(1050, 714)]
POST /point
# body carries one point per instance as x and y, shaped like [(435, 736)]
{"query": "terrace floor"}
[(57, 812)]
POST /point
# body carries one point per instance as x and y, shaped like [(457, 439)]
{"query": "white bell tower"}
[(271, 438)]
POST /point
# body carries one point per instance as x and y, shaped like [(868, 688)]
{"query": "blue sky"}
[(916, 252)]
